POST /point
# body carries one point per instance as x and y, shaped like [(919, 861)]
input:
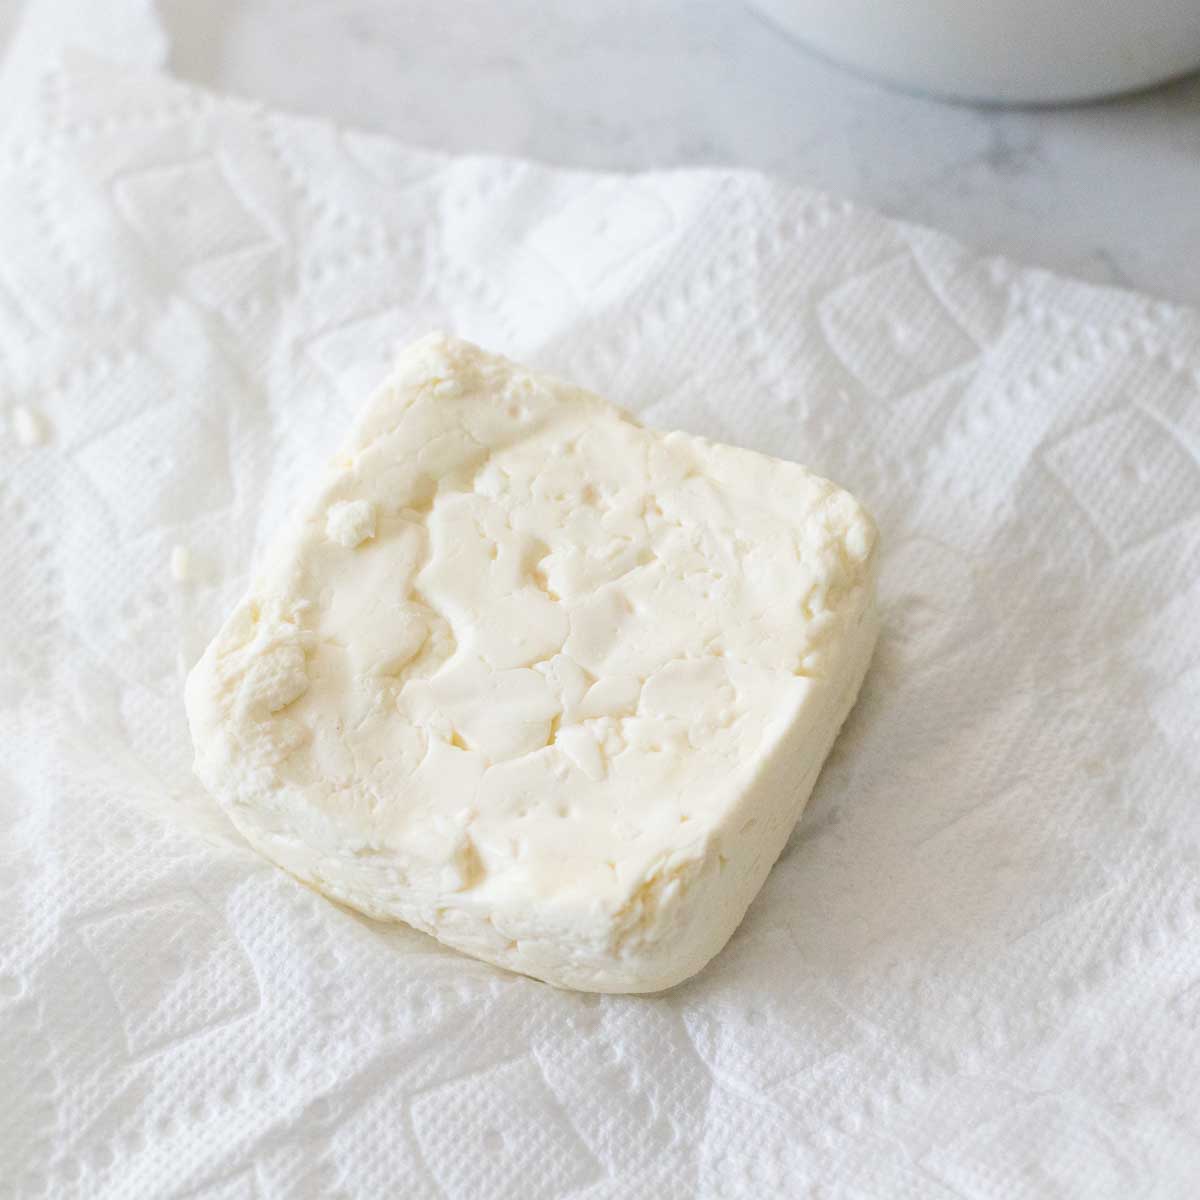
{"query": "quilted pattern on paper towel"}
[(974, 974)]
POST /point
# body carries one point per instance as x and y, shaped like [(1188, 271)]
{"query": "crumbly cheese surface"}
[(546, 684)]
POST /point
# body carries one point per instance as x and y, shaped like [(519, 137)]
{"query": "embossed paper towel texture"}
[(976, 970)]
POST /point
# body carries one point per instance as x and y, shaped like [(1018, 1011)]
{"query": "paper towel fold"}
[(976, 970)]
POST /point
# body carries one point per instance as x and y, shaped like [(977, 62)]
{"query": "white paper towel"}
[(976, 970)]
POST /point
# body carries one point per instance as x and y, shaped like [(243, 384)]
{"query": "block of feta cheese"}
[(549, 685)]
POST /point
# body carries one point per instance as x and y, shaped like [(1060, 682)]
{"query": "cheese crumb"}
[(350, 522), (28, 426), (181, 563)]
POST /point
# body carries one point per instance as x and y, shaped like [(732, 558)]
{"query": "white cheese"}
[(546, 684)]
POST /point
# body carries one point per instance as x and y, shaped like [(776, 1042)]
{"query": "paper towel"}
[(974, 973)]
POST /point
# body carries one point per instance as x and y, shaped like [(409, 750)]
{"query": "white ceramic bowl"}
[(1002, 51)]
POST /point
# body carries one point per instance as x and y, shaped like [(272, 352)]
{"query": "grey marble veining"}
[(10, 11)]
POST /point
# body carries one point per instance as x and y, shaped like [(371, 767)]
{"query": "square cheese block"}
[(544, 683)]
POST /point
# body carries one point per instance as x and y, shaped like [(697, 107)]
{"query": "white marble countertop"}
[(1106, 192)]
